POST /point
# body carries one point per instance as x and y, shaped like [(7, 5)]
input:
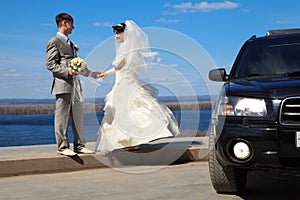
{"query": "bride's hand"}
[(103, 75)]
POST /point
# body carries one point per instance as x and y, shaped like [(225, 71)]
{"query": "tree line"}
[(38, 109)]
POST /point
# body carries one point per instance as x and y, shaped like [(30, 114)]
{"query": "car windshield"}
[(272, 56)]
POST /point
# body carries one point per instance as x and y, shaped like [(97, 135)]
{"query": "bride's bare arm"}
[(118, 63), (108, 72)]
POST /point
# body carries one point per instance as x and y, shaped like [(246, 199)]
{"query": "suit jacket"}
[(58, 54)]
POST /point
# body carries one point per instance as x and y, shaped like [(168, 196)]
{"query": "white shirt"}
[(63, 35)]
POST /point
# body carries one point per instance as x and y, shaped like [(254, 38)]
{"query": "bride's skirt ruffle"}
[(133, 116)]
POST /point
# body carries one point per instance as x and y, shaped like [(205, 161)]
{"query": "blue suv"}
[(256, 117)]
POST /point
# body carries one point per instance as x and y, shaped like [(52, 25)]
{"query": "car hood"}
[(265, 87)]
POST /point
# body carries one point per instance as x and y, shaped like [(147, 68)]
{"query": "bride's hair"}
[(135, 47), (119, 28)]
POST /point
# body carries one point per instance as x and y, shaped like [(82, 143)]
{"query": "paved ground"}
[(188, 181), (43, 158), (146, 174)]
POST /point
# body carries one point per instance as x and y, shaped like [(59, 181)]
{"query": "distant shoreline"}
[(38, 109), (100, 100)]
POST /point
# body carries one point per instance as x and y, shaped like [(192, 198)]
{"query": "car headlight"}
[(239, 106)]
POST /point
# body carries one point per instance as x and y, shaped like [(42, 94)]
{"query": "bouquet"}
[(77, 65)]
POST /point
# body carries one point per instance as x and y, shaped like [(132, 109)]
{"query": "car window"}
[(269, 57)]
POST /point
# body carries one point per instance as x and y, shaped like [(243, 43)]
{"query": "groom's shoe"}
[(84, 150), (66, 152)]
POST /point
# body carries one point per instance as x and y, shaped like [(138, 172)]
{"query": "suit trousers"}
[(66, 108)]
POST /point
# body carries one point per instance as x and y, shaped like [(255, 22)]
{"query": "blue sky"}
[(219, 27)]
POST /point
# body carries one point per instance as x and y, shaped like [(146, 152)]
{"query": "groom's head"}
[(64, 23)]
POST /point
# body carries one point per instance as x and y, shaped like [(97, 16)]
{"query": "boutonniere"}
[(76, 47)]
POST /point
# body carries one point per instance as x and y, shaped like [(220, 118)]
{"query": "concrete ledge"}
[(43, 158)]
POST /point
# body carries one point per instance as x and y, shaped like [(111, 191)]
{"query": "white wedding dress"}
[(133, 115)]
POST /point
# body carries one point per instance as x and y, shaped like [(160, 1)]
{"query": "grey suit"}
[(58, 54)]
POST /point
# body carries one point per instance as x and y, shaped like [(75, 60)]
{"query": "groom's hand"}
[(72, 73), (96, 74)]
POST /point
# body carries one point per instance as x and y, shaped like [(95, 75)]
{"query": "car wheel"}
[(225, 179)]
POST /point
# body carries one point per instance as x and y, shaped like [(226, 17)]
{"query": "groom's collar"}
[(63, 36)]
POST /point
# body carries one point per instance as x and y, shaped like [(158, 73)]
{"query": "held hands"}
[(103, 75), (96, 74), (99, 75)]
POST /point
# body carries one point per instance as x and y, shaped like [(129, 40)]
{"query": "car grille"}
[(290, 111)]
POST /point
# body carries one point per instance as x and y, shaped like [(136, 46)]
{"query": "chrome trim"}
[(283, 113)]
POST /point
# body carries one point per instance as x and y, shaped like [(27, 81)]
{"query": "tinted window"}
[(269, 57)]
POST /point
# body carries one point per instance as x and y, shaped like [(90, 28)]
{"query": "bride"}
[(133, 115)]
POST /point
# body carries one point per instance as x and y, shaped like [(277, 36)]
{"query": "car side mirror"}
[(218, 75)]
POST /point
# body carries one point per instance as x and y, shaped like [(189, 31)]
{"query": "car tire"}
[(225, 179)]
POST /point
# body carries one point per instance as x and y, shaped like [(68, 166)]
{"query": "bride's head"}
[(119, 31), (130, 38)]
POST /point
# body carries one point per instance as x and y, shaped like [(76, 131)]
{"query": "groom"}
[(66, 86)]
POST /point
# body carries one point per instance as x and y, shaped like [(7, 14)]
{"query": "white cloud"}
[(203, 6), (3, 59), (168, 21), (245, 10), (47, 24), (284, 22), (4, 70), (12, 75), (102, 24), (10, 36), (8, 72)]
